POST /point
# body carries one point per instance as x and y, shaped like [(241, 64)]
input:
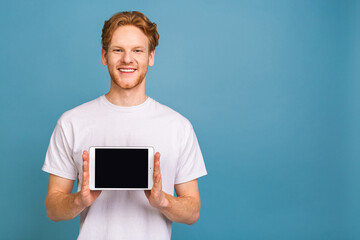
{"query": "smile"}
[(127, 70)]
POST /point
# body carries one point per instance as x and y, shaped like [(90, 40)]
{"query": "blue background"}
[(271, 88)]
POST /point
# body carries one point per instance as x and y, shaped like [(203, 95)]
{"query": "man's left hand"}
[(157, 198)]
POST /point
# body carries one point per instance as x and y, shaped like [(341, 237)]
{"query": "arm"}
[(185, 208), (60, 203)]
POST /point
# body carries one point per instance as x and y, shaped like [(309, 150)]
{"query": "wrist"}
[(165, 203), (78, 201)]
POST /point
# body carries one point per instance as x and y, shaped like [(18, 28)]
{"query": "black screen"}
[(121, 168)]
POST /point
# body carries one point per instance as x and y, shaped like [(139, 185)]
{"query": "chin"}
[(128, 85)]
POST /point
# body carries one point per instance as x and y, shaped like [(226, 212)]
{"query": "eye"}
[(138, 51), (117, 50)]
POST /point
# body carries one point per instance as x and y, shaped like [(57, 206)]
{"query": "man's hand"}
[(86, 196), (185, 208), (60, 203), (156, 196)]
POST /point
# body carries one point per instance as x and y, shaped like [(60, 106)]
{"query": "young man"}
[(125, 116)]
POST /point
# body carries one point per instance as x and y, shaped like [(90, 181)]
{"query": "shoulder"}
[(170, 115), (79, 113)]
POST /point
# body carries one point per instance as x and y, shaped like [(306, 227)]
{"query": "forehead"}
[(129, 36)]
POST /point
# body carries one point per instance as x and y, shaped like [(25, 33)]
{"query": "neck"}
[(126, 97)]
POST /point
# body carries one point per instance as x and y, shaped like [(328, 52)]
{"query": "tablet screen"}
[(121, 168)]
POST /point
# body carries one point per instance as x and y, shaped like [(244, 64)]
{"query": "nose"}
[(127, 57)]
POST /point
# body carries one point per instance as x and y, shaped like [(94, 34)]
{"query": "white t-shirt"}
[(125, 214)]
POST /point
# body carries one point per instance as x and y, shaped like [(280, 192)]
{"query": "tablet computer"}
[(121, 168)]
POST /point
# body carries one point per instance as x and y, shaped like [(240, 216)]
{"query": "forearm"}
[(183, 209), (63, 206)]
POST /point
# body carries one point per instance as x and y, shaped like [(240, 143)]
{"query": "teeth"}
[(126, 70)]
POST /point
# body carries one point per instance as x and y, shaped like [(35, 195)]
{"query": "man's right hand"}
[(60, 203), (86, 196)]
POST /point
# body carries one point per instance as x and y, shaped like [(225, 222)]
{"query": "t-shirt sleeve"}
[(59, 158), (191, 163)]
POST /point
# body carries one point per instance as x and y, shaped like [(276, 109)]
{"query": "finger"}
[(157, 183), (156, 171), (85, 180), (85, 157), (158, 179), (96, 193), (147, 193), (156, 164)]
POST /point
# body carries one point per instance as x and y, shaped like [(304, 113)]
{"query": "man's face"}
[(128, 57)]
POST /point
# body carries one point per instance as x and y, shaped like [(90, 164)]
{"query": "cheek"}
[(112, 61), (144, 62)]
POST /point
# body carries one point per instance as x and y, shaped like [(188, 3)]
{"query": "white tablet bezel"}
[(92, 168)]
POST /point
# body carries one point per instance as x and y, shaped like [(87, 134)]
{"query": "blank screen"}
[(121, 168)]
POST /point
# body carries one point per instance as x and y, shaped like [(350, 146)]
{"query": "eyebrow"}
[(115, 46)]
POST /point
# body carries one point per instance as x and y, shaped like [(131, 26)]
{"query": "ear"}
[(151, 58), (103, 57)]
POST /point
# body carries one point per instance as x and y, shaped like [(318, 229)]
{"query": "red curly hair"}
[(133, 18)]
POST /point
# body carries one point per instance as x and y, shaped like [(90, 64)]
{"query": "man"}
[(125, 116)]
